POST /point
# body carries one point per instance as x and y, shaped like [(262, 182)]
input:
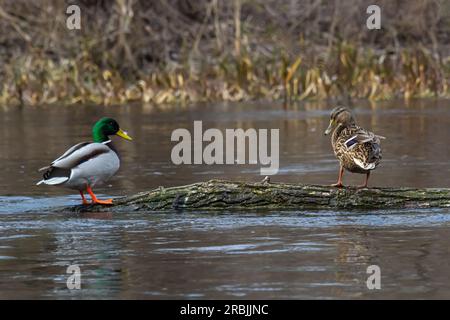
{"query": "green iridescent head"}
[(106, 127)]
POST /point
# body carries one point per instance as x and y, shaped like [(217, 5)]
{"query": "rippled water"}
[(252, 254)]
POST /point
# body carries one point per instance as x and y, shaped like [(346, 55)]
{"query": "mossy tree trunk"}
[(227, 195)]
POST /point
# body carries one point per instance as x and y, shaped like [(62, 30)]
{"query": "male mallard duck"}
[(357, 149), (87, 163)]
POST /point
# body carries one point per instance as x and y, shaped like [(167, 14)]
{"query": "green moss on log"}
[(226, 195)]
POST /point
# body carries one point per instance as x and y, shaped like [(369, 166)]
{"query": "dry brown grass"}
[(194, 50)]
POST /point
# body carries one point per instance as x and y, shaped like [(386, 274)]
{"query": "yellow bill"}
[(330, 127), (123, 134)]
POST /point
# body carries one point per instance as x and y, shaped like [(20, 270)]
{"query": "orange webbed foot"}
[(337, 185), (104, 202), (95, 200)]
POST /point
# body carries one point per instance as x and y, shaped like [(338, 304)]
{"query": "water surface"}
[(252, 254)]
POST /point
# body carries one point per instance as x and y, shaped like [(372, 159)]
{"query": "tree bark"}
[(224, 195)]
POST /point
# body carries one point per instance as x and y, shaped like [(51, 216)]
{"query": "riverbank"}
[(344, 72), (163, 52)]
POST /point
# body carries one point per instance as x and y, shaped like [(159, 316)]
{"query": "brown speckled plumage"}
[(368, 153), (357, 149)]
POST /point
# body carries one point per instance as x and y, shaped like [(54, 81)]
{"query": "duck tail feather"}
[(365, 166), (53, 181)]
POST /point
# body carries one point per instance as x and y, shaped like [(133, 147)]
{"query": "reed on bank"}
[(182, 51)]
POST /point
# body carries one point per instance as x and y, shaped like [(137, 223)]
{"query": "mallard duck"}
[(87, 164), (357, 149)]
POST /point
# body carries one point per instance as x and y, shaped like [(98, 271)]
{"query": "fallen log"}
[(228, 195)]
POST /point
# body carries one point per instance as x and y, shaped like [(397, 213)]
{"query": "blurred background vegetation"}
[(164, 51)]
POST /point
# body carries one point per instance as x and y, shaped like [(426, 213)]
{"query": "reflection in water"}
[(222, 255), (257, 255)]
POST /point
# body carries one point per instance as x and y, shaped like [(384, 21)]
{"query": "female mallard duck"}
[(357, 149), (87, 164)]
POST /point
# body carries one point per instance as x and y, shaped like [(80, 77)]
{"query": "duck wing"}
[(361, 136), (59, 170), (80, 155), (66, 154), (364, 148)]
